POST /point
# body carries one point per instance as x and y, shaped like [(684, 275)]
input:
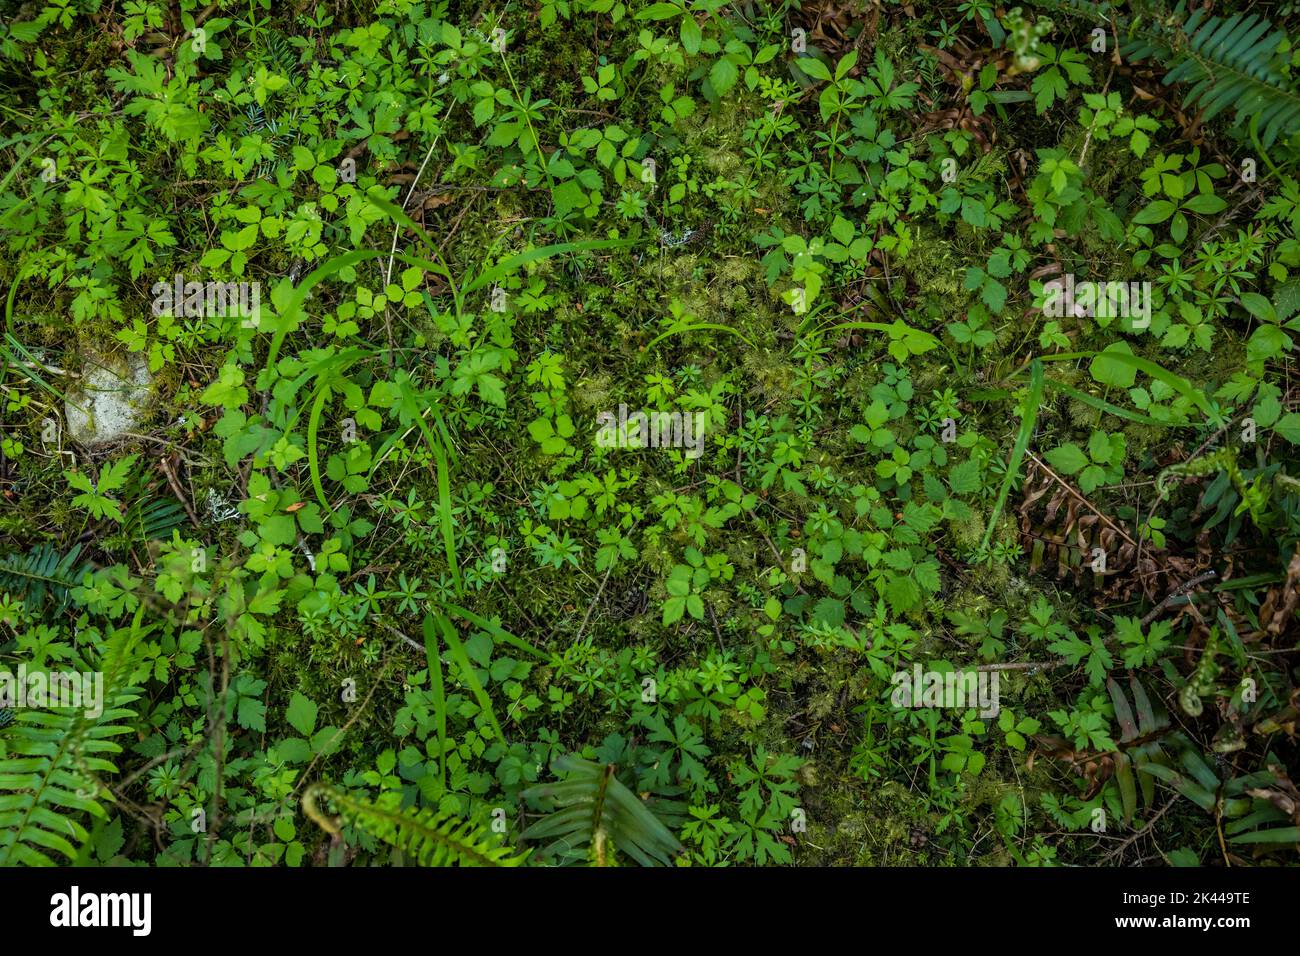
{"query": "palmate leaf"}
[(430, 837), (594, 812)]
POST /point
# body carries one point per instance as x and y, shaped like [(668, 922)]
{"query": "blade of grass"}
[(506, 266), (1102, 405), (699, 326), (439, 694), (26, 366), (18, 165), (1028, 417), (1160, 374), (11, 348), (313, 460), (457, 651), (444, 507), (444, 487), (501, 634), (899, 330), (289, 317)]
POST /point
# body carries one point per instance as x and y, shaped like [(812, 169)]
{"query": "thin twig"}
[(1080, 498), (1178, 592), (179, 492), (418, 647), (1146, 828), (592, 606), (1026, 666), (306, 774)]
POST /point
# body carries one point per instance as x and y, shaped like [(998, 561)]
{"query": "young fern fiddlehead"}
[(1254, 494)]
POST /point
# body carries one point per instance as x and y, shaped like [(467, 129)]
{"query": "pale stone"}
[(111, 398)]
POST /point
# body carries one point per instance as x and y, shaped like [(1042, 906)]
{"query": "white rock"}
[(111, 398)]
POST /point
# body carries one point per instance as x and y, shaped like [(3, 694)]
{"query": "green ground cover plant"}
[(583, 432)]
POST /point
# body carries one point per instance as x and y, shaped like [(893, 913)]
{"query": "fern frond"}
[(281, 54), (597, 810), (1228, 61), (42, 574), (431, 837), (50, 763), (1139, 743), (1242, 804), (152, 519), (47, 780)]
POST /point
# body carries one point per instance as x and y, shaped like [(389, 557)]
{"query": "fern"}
[(152, 519), (1227, 60), (49, 763), (1138, 748), (1139, 743), (432, 837), (281, 54), (597, 811), (1241, 801), (43, 575), (43, 578)]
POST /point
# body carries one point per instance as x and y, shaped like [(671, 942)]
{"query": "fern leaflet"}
[(432, 837)]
